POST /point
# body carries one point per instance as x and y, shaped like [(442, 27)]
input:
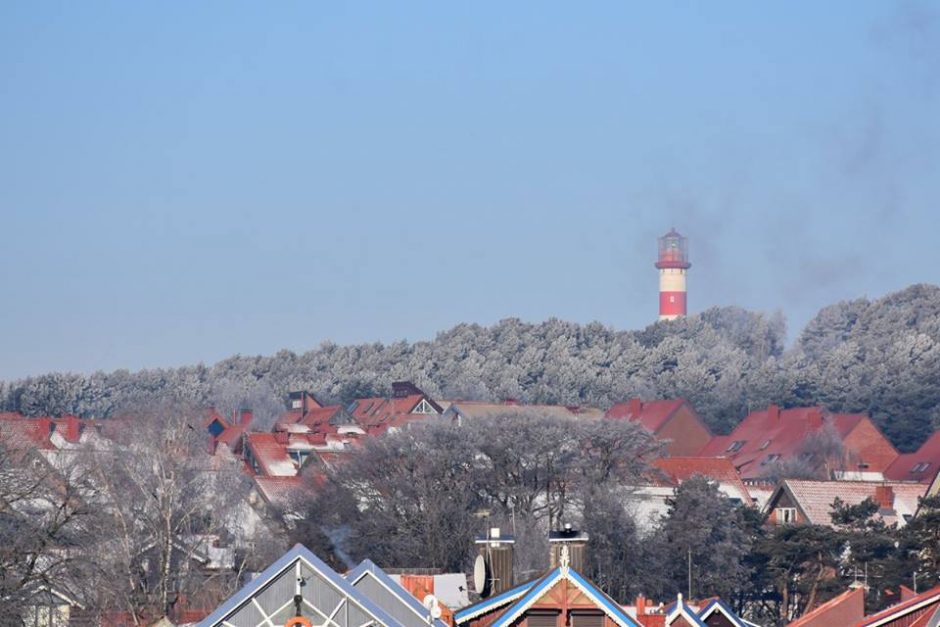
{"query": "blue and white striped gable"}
[(720, 607), (328, 599), (493, 603), (680, 609), (388, 594), (522, 598)]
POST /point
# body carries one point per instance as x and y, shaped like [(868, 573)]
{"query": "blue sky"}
[(180, 182)]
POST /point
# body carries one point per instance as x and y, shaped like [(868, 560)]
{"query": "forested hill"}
[(881, 357)]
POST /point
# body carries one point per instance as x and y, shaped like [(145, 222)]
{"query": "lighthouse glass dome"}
[(673, 251)]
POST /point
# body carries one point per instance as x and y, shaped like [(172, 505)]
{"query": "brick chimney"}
[(635, 407), (70, 427), (640, 606), (884, 496), (244, 417)]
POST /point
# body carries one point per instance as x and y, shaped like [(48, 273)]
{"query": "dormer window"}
[(770, 459), (424, 407), (299, 457), (920, 467), (785, 515), (296, 404), (735, 446)]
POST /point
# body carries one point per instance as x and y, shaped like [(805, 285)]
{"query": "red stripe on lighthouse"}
[(672, 303)]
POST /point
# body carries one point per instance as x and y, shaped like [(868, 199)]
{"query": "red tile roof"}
[(271, 455), (231, 436), (782, 433), (719, 469), (906, 614), (377, 415), (651, 414), (279, 490), (18, 431), (844, 609), (911, 466), (814, 498), (317, 420)]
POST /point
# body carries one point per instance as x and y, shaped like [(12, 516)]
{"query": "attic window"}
[(770, 459), (587, 619), (542, 619), (296, 404), (765, 444), (920, 467), (735, 446), (424, 407), (299, 457), (785, 515)]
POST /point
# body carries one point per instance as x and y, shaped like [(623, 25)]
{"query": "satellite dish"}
[(430, 602), (436, 612), (479, 575)]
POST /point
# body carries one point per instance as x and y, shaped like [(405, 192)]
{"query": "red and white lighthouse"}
[(673, 264)]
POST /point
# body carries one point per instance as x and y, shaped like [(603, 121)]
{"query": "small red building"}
[(673, 421), (921, 466), (774, 435)]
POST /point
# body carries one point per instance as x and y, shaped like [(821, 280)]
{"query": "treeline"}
[(419, 497), (881, 357)]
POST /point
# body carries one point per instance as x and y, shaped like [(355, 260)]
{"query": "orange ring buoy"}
[(298, 621)]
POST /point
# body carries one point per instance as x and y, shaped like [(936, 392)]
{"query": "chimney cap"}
[(567, 534)]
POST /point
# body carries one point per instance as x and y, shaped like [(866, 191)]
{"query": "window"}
[(423, 407), (785, 515), (770, 459), (299, 456), (296, 404), (542, 619), (765, 444), (735, 446), (587, 619), (920, 467)]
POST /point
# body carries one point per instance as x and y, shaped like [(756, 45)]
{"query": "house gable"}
[(681, 615), (492, 604), (389, 595), (717, 614), (905, 613), (564, 589), (873, 450), (327, 597), (783, 508)]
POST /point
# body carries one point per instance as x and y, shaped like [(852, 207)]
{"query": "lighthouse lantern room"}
[(673, 264)]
